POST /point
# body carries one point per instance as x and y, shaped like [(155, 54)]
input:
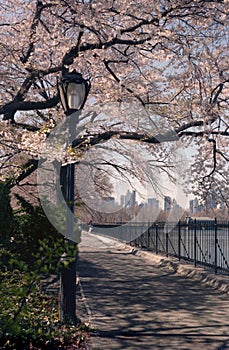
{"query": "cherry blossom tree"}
[(167, 56), (165, 61)]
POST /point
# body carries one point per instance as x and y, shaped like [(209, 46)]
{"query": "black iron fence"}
[(201, 242)]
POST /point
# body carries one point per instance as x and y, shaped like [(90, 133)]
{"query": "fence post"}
[(216, 244), (156, 240), (195, 242), (167, 243), (179, 239), (148, 238)]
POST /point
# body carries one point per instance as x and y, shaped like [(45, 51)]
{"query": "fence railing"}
[(204, 243)]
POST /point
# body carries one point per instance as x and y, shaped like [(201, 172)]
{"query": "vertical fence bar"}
[(179, 240), (156, 239), (199, 241), (148, 238), (167, 243), (195, 242), (216, 244), (134, 232)]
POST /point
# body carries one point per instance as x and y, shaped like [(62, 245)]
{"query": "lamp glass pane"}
[(75, 95)]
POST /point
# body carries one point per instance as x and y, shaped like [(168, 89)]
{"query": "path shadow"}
[(137, 302)]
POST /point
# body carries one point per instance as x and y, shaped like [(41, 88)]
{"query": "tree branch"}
[(106, 63), (40, 7), (92, 140), (214, 159), (29, 167), (69, 57), (202, 133), (11, 108)]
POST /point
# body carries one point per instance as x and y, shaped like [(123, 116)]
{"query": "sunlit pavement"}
[(131, 303)]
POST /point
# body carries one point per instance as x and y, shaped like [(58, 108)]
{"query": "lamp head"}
[(73, 90)]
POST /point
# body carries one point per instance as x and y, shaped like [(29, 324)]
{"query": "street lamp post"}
[(73, 91)]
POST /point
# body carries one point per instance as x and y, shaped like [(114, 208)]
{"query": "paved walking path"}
[(133, 304)]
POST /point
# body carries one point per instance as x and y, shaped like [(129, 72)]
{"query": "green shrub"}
[(6, 212), (28, 316), (30, 227)]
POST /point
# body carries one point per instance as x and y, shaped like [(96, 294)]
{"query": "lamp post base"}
[(68, 294)]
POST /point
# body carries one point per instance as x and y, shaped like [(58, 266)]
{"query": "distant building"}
[(167, 203), (109, 200), (175, 205), (132, 198), (194, 206), (128, 200), (122, 200), (153, 202), (201, 208), (211, 202)]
